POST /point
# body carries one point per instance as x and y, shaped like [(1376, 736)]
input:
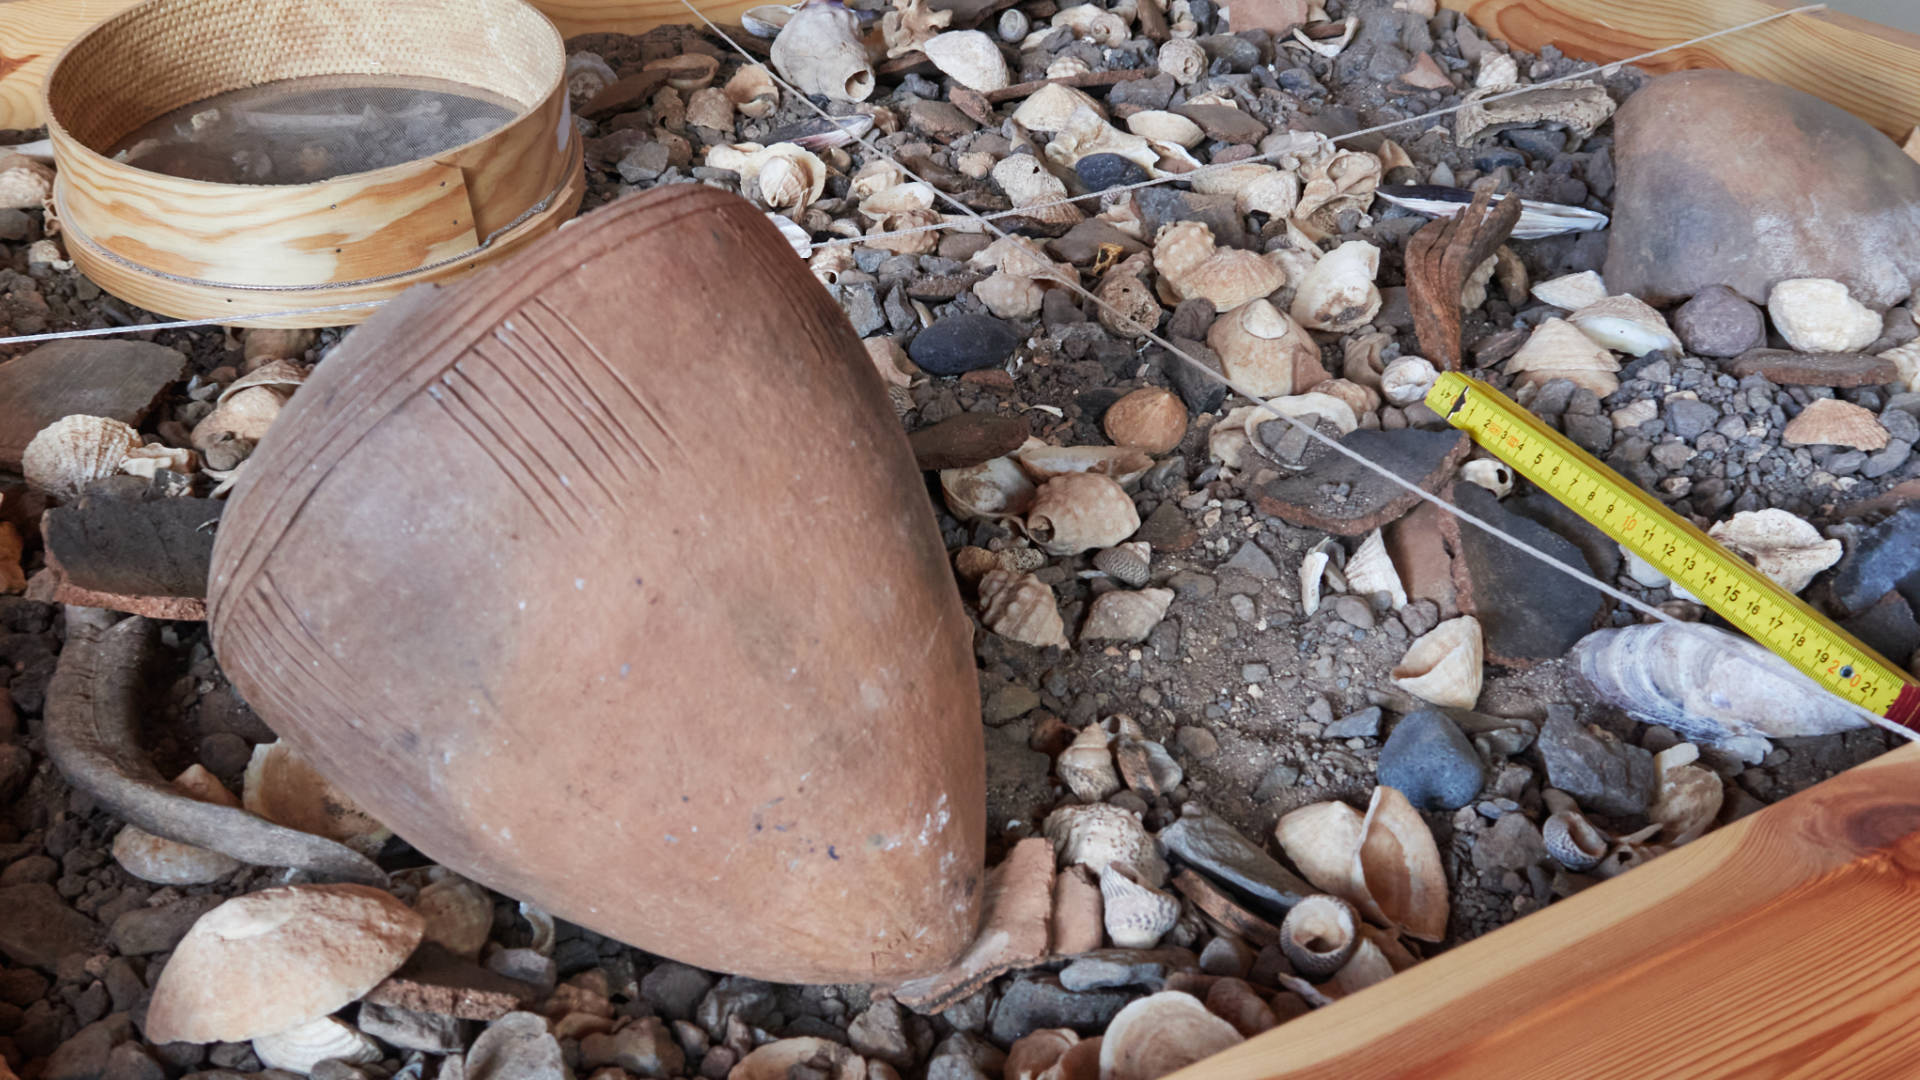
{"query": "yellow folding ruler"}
[(1722, 580)]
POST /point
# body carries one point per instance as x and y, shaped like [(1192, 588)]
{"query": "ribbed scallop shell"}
[(1098, 834), (1191, 266), (1128, 563), (1319, 934), (300, 1048), (1833, 422), (1022, 608), (1370, 570), (1137, 917), (1079, 512), (1444, 666), (74, 451), (1573, 841), (1086, 766)]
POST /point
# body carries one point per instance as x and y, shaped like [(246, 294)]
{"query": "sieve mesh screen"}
[(303, 130)]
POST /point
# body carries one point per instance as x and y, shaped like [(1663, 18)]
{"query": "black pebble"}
[(1102, 171), (958, 344)]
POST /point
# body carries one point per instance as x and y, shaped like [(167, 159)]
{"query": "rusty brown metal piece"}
[(1440, 259)]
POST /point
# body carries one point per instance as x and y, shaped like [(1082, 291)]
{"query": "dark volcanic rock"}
[(1718, 322), (116, 379), (1602, 773), (1035, 1002), (1218, 850), (1885, 557), (1429, 759), (1727, 179), (39, 928), (1528, 610), (1102, 171), (958, 344), (967, 439)]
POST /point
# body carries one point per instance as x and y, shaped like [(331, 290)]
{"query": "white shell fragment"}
[(1097, 834), (994, 489), (820, 52), (1161, 1034), (1571, 292), (1321, 840), (1490, 474), (1784, 547), (1370, 570), (970, 58), (1626, 324), (1338, 294), (1190, 265), (1444, 665), (1407, 380), (299, 1049), (1086, 765), (1137, 917), (1558, 350), (1818, 315), (1079, 512), (1687, 801)]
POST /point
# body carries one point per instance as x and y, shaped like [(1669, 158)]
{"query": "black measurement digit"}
[(1754, 609)]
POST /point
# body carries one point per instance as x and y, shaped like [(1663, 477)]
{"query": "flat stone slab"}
[(1339, 495), (436, 981), (113, 544), (1528, 611), (120, 380), (1787, 368)]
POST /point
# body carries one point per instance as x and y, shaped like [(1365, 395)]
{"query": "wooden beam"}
[(1869, 70), (1781, 946)]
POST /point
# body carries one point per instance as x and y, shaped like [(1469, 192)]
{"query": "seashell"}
[(766, 20), (1161, 1034), (543, 927), (1370, 570), (1152, 418), (1473, 293), (1366, 967), (1020, 607), (989, 491), (1906, 359), (1087, 132), (1818, 315), (1498, 71), (1490, 474), (1227, 441), (1167, 127), (1145, 765), (1558, 350), (1626, 324), (1571, 291), (1049, 108), (1361, 400), (1627, 853), (911, 25), (1022, 256), (1079, 512), (74, 451), (1687, 800), (1581, 107), (1098, 834), (710, 108), (1338, 294), (1136, 916), (969, 57), (1444, 665), (1086, 765), (804, 1055), (283, 788), (1712, 687), (826, 134), (25, 184), (1090, 23), (795, 235), (1301, 406), (1319, 934), (1128, 307), (1407, 380), (1066, 67), (1190, 266), (753, 91), (686, 72), (1036, 1052), (1127, 563), (459, 914), (147, 461), (1342, 181), (1322, 840), (1124, 464), (787, 178), (1123, 615), (298, 1049), (1390, 945), (1010, 297), (587, 74), (1313, 569), (1262, 350), (819, 51), (1833, 422), (1398, 863), (1780, 545), (170, 862), (1573, 841), (1182, 58), (1537, 219), (241, 417)]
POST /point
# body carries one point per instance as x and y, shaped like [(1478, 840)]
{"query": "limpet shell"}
[(1444, 665), (283, 788), (1319, 934), (1137, 917), (1571, 292), (1263, 350), (1339, 294)]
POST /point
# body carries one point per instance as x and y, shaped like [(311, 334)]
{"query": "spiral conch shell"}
[(1263, 350), (170, 862), (1127, 305), (1086, 765), (1782, 546), (74, 451), (1319, 934), (970, 58), (25, 184), (1137, 916), (1080, 512), (1573, 841), (1161, 1034), (298, 1049), (1123, 615), (1338, 294), (819, 51), (1190, 266), (1097, 834), (1020, 607), (1558, 350), (1091, 23), (1688, 798), (1444, 665)]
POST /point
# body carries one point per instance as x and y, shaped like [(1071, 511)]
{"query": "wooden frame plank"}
[(1779, 946)]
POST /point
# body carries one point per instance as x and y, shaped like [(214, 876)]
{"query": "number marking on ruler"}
[(1722, 580)]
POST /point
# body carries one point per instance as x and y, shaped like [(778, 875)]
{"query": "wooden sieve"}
[(194, 249)]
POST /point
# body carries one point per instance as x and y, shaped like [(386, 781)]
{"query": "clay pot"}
[(511, 572)]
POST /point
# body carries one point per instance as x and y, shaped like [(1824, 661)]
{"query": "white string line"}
[(1310, 430), (28, 339), (1122, 189)]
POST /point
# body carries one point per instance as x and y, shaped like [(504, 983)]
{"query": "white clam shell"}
[(1161, 1034), (1444, 665), (1097, 834), (1399, 865), (994, 489), (970, 58), (1322, 839), (1136, 916), (1571, 292), (1558, 350), (300, 1048), (1490, 474), (1626, 324), (1407, 380)]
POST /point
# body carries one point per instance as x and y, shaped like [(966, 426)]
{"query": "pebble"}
[(1690, 418), (1200, 393), (645, 1047), (1719, 322), (1353, 611), (1880, 559), (1429, 759), (1252, 559), (1514, 843), (429, 1033), (15, 225), (881, 1032), (1102, 171), (1891, 457), (517, 1047), (1111, 969), (1364, 724), (40, 929), (84, 1056), (961, 343), (967, 439), (1197, 741), (1034, 1002), (1603, 774), (1217, 849), (1279, 779), (1254, 673)]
